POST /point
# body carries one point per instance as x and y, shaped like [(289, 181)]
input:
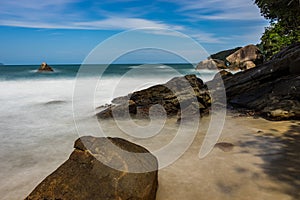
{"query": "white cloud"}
[(112, 23), (218, 9), (207, 38), (31, 24), (165, 32), (33, 4), (123, 23), (225, 16), (30, 11), (116, 23), (55, 14)]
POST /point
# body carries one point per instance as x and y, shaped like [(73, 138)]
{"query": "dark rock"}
[(285, 52), (246, 57), (224, 146), (259, 131), (45, 68), (294, 67), (271, 89), (84, 177), (175, 95)]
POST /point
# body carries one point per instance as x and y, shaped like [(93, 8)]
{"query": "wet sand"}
[(260, 166), (263, 163)]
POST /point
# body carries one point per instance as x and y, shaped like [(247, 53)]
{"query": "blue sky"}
[(65, 31)]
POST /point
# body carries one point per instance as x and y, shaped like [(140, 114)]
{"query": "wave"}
[(149, 67), (55, 71), (37, 120)]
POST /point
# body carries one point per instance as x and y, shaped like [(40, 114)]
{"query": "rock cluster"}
[(176, 95), (212, 64), (223, 54), (45, 68), (84, 176), (245, 58), (271, 89), (241, 59)]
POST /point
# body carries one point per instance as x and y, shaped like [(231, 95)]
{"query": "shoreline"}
[(259, 166), (247, 170)]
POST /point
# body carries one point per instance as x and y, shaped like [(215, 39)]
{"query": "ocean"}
[(37, 116), (42, 114), (28, 72)]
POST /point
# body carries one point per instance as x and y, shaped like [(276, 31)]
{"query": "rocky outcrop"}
[(245, 58), (177, 94), (234, 59), (84, 175), (211, 64), (223, 54), (271, 89), (45, 68)]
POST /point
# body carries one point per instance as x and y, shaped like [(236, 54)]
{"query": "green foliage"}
[(275, 38), (286, 12), (284, 16)]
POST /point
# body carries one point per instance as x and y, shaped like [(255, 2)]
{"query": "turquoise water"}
[(17, 72)]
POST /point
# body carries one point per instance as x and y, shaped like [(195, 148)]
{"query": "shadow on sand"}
[(281, 156)]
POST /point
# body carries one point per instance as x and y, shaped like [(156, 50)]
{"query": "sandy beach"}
[(263, 163)]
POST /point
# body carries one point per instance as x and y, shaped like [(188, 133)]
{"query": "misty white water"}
[(37, 125), (38, 132)]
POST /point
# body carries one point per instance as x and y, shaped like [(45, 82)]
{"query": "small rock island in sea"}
[(45, 68)]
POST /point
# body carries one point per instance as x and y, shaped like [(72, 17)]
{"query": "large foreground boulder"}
[(45, 68), (177, 94), (272, 89), (84, 176)]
